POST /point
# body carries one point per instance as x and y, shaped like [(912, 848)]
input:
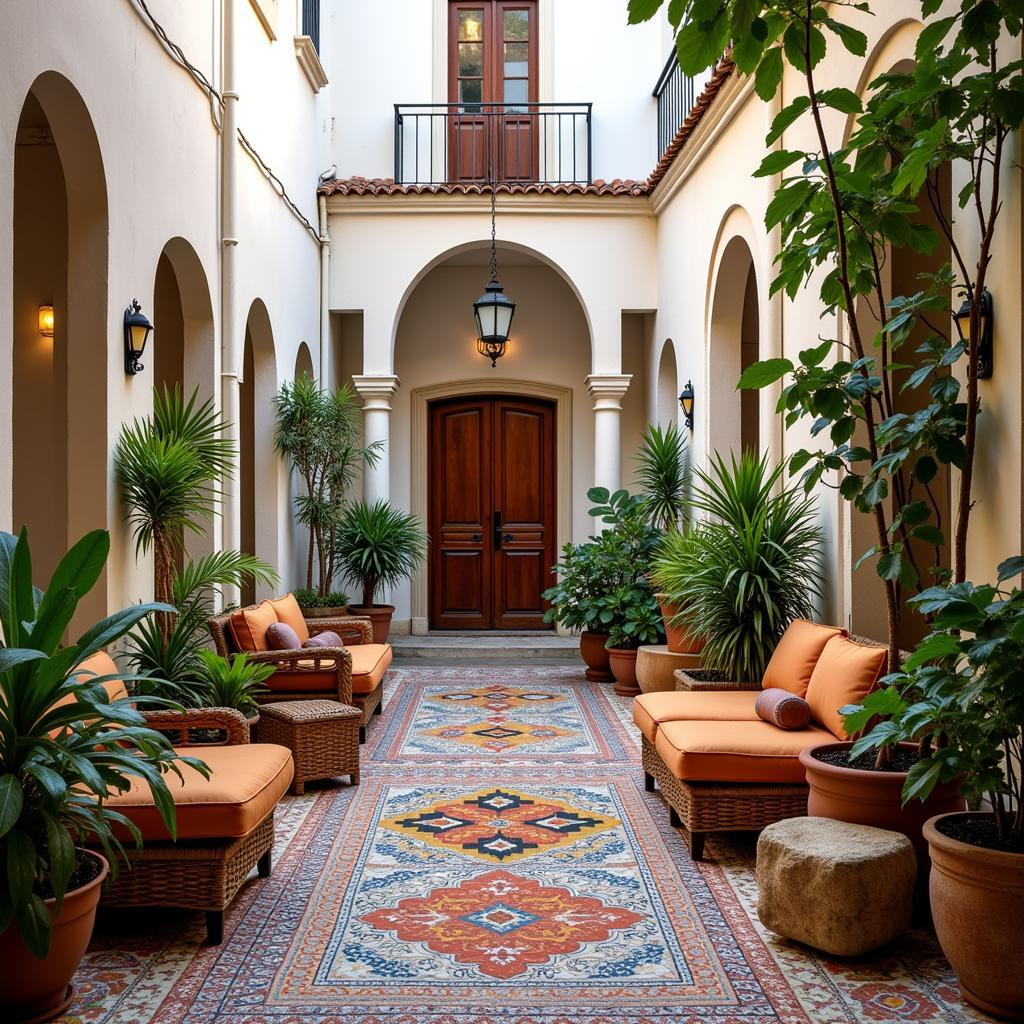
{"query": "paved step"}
[(486, 646)]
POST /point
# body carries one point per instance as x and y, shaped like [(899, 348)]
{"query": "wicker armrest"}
[(313, 659), (231, 721), (344, 625), (693, 683)]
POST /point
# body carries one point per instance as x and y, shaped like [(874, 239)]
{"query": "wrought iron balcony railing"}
[(676, 94), (444, 143)]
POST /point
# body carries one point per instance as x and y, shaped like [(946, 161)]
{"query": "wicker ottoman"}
[(322, 735)]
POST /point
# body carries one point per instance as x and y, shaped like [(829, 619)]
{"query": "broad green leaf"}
[(769, 74), (642, 10), (844, 100), (778, 161), (787, 116), (761, 374), (11, 802)]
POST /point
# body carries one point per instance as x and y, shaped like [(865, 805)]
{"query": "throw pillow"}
[(282, 637), (326, 639), (794, 659), (846, 673), (782, 708)]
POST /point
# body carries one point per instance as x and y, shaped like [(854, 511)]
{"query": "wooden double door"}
[(491, 520)]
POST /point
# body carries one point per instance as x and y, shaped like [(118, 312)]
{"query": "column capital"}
[(376, 390), (608, 389)]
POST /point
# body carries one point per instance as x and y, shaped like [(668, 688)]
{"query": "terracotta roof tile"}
[(618, 187)]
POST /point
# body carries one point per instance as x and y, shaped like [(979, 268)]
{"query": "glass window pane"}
[(471, 60), (517, 24), (470, 90), (516, 90), (471, 24), (517, 60)]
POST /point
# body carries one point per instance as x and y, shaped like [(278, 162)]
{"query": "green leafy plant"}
[(59, 761), (311, 598), (319, 432), (633, 616), (232, 683), (747, 570), (677, 558), (661, 473), (378, 546), (960, 696), (843, 207)]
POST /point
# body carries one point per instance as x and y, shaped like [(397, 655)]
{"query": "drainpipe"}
[(325, 305), (231, 338)]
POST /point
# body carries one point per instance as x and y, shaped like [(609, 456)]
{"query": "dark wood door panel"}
[(491, 475)]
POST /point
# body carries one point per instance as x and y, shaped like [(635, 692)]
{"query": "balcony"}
[(447, 143), (676, 94)]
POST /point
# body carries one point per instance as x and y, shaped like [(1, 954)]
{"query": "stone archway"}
[(60, 480), (667, 384), (304, 361)]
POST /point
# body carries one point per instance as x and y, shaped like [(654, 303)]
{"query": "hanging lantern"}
[(494, 309)]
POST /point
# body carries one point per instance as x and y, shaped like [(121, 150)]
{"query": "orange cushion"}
[(798, 652), (100, 664), (735, 751), (289, 613), (246, 782), (369, 663), (845, 674), (249, 626), (322, 681), (651, 709)]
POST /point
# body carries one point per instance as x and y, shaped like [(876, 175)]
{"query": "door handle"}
[(506, 537), (477, 538), (497, 530)]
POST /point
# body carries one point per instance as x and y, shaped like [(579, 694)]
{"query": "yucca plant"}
[(662, 475), (750, 568), (59, 761), (379, 546), (232, 683)]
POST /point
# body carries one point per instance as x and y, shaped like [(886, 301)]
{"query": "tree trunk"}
[(163, 580), (368, 589)]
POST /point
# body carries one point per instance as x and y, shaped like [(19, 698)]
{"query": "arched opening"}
[(667, 409), (60, 472), (259, 465), (734, 416), (304, 361), (447, 387)]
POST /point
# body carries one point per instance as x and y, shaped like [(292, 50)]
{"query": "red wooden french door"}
[(492, 76), (491, 518)]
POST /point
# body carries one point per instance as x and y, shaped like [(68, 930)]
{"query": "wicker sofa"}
[(225, 824), (353, 674), (719, 767)]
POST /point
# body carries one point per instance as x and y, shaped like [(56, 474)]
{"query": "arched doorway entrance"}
[(60, 470), (259, 464), (304, 361), (667, 408), (734, 345)]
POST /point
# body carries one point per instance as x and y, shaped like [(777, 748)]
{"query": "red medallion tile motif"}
[(502, 923)]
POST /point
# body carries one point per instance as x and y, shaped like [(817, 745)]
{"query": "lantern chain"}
[(494, 236)]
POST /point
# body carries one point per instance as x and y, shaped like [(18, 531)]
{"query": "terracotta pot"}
[(379, 615), (875, 798), (679, 640), (622, 661), (323, 612), (39, 990), (595, 655), (977, 898)]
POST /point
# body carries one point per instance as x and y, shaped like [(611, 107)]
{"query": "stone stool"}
[(322, 735), (840, 888), (655, 664)]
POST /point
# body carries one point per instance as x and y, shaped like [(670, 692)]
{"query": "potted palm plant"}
[(378, 546), (960, 700), (64, 745), (233, 683)]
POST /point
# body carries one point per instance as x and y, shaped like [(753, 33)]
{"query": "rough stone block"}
[(837, 887)]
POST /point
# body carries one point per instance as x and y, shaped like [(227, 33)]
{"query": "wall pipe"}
[(325, 306)]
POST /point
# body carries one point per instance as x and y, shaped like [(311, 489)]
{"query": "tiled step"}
[(491, 645)]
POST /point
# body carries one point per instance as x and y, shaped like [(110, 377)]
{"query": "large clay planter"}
[(595, 656), (39, 990), (875, 798), (977, 898), (379, 615), (679, 641), (623, 665)]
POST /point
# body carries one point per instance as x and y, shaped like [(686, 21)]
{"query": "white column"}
[(607, 390), (377, 392)]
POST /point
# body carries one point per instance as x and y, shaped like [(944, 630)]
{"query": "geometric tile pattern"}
[(499, 735)]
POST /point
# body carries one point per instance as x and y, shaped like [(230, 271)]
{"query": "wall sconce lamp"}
[(46, 321), (686, 402), (962, 318), (137, 330)]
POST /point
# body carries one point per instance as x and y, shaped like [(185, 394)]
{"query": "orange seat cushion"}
[(322, 680), (246, 782), (99, 664), (650, 710), (288, 612), (369, 663), (735, 751), (798, 652), (845, 674), (249, 627)]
